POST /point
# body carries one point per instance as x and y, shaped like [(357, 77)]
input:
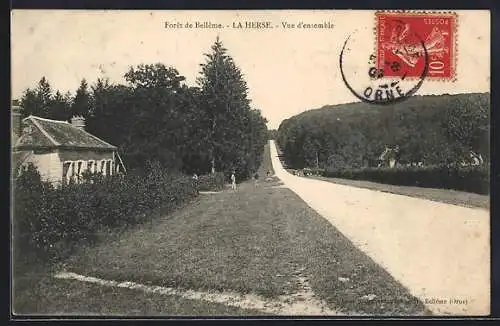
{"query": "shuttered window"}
[(108, 167), (91, 166), (102, 168), (66, 172), (79, 169)]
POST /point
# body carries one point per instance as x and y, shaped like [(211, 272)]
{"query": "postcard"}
[(321, 163)]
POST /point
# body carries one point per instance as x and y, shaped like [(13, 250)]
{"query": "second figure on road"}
[(233, 181)]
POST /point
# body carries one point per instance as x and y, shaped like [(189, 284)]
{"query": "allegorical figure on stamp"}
[(409, 49)]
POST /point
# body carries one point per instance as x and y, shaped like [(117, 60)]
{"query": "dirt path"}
[(440, 252)]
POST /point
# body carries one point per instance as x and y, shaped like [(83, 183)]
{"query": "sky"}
[(288, 70)]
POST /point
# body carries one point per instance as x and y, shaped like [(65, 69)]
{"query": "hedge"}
[(469, 178), (211, 182), (49, 221)]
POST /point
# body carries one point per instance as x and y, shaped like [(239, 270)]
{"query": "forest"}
[(433, 130), (443, 141)]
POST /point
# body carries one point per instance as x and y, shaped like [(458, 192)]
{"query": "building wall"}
[(50, 164), (83, 155), (47, 163)]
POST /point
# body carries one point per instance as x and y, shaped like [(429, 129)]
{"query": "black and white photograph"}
[(250, 163)]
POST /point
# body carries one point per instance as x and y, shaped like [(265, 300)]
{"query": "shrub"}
[(49, 221), (211, 182), (469, 178), (28, 203), (313, 171)]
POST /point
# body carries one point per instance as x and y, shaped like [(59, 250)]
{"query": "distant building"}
[(60, 150), (390, 157)]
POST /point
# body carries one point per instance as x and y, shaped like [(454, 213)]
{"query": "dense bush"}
[(470, 178), (211, 182), (49, 220)]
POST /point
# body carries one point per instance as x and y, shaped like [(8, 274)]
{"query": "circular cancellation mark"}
[(378, 80)]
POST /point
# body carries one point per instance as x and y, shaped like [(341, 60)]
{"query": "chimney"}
[(16, 120), (78, 122)]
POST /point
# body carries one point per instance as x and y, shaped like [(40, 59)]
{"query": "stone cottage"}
[(60, 150)]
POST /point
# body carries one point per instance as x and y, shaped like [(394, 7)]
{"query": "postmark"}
[(399, 37), (378, 79)]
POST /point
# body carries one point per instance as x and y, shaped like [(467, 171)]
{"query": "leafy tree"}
[(468, 124), (154, 76), (158, 121), (110, 115), (81, 102)]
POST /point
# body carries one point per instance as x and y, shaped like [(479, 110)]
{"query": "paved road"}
[(438, 251)]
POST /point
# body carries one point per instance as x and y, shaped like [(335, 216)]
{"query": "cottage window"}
[(79, 169), (108, 167), (82, 166), (67, 171), (91, 166), (102, 167), (73, 171)]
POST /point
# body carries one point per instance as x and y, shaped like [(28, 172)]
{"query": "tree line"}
[(435, 130), (155, 116)]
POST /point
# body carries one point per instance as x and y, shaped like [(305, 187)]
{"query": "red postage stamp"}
[(402, 38)]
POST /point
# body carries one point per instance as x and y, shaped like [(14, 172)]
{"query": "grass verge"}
[(447, 196)]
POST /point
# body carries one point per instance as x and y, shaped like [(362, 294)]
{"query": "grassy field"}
[(256, 240)]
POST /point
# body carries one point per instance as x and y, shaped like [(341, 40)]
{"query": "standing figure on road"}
[(233, 181), (268, 176), (256, 177), (195, 181)]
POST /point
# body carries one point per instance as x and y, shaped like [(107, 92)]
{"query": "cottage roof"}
[(47, 133)]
